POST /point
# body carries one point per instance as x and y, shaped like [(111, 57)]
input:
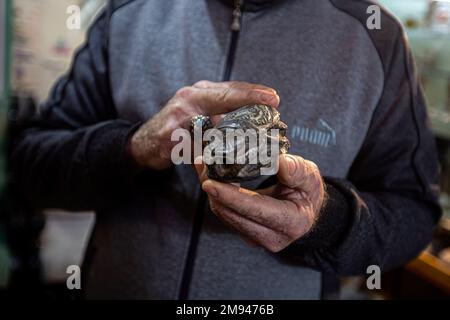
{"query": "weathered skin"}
[(255, 116)]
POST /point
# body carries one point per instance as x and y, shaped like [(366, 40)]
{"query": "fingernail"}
[(209, 189), (267, 98), (292, 167)]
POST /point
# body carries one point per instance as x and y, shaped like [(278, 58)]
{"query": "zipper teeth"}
[(200, 212)]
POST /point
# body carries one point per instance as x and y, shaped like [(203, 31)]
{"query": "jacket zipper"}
[(235, 28)]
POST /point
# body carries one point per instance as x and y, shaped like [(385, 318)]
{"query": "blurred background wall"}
[(5, 260), (41, 51), (43, 45)]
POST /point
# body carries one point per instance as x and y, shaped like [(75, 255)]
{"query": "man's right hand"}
[(151, 145)]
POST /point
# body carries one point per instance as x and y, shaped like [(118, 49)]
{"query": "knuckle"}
[(185, 92), (202, 84)]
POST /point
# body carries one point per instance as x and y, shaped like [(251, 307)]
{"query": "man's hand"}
[(151, 145), (274, 217)]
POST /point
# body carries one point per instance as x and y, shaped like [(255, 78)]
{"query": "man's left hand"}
[(274, 217)]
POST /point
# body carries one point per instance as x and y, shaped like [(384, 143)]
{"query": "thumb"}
[(298, 173)]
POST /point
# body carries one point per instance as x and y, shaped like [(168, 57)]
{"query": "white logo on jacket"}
[(322, 134)]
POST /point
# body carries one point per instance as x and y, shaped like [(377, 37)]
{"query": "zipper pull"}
[(236, 23)]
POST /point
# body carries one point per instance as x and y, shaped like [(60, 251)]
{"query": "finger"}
[(249, 229), (216, 118), (201, 169), (205, 84), (223, 100), (215, 101), (270, 212), (304, 176), (297, 173)]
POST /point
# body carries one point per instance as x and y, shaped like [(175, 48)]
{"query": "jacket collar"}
[(251, 5)]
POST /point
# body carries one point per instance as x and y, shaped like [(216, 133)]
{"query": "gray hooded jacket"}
[(353, 105)]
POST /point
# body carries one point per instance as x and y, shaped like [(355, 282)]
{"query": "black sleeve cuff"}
[(333, 221), (107, 155)]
